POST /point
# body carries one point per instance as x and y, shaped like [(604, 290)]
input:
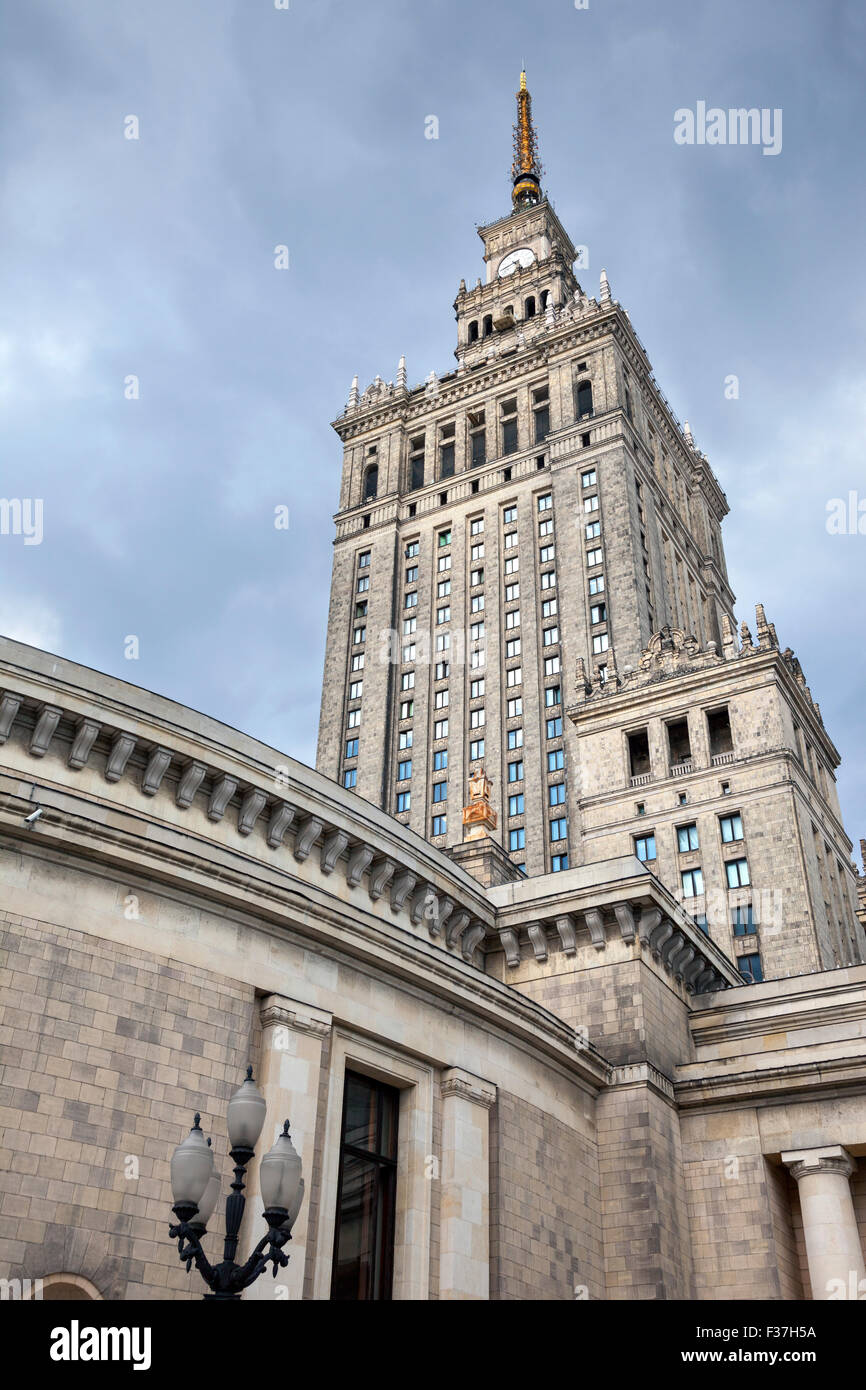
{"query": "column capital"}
[(465, 1086), (831, 1158), (277, 1011)]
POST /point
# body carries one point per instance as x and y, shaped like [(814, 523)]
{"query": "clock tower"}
[(528, 255)]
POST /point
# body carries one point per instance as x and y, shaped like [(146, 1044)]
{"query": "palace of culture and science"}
[(554, 960), (529, 575)]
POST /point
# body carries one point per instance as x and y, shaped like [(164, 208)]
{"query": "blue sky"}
[(305, 127)]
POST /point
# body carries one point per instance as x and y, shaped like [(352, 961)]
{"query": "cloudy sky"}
[(260, 126)]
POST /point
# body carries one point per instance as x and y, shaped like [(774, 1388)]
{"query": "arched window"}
[(488, 325), (545, 295), (473, 331), (371, 482), (529, 308), (584, 399)]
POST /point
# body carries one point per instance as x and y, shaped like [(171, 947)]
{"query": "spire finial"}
[(525, 169)]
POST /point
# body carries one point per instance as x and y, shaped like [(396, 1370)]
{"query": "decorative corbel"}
[(121, 751), (82, 745), (471, 939), (510, 945), (252, 805), (567, 934), (380, 876), (281, 818), (359, 859), (49, 718), (223, 791), (9, 707), (457, 924), (190, 780), (538, 939), (156, 768), (306, 836), (595, 926), (403, 886), (625, 916)]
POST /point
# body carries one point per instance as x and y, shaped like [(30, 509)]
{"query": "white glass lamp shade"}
[(294, 1208), (246, 1114), (191, 1168), (280, 1173), (207, 1205)]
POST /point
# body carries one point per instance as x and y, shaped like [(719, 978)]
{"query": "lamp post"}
[(195, 1187)]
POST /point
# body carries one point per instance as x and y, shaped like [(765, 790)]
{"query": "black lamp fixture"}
[(195, 1187)]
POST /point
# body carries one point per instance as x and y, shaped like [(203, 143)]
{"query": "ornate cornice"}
[(286, 1013), (462, 1085)]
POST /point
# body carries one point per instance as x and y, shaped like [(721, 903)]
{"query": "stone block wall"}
[(545, 1207), (108, 1052)]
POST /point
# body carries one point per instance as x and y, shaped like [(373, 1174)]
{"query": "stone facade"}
[(497, 524), (716, 763), (588, 1102), (534, 534), (585, 1086)]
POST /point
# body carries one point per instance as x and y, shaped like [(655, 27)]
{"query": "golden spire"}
[(526, 169)]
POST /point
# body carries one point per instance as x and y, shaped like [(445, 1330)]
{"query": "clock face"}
[(516, 260)]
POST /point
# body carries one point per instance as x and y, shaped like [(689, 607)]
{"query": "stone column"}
[(833, 1249), (464, 1266), (293, 1035)]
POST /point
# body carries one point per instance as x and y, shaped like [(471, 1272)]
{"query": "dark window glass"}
[(371, 483), (542, 424), (446, 461), (509, 437), (584, 399), (416, 473), (478, 449), (750, 969), (364, 1242)]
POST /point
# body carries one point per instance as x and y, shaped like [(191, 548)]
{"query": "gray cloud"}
[(259, 127)]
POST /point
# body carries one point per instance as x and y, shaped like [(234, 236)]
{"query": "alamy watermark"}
[(736, 126), (22, 516), (846, 517)]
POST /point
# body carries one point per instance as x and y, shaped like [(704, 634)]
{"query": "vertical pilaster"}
[(293, 1035), (465, 1193)]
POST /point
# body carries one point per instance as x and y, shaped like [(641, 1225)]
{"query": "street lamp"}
[(195, 1186)]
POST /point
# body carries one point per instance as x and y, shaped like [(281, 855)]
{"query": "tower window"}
[(583, 402), (645, 848), (750, 968), (687, 838), (446, 452), (541, 406), (719, 728), (371, 482), (529, 308), (487, 325), (473, 331), (737, 873), (416, 463), (678, 742), (743, 920), (638, 753), (508, 417)]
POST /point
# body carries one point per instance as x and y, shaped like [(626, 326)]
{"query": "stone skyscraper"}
[(529, 573)]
